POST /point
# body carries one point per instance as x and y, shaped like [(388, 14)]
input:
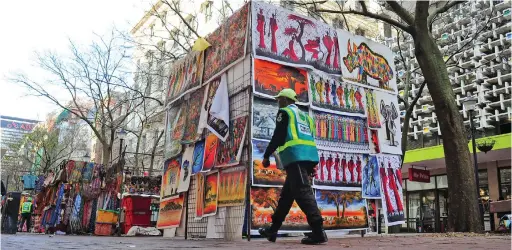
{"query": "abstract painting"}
[(390, 133), (230, 151), (337, 170), (185, 171), (210, 151), (272, 176), (270, 78), (342, 209), (371, 179), (391, 189), (192, 130), (232, 186), (170, 177), (367, 62), (198, 157), (199, 196), (186, 75), (341, 133), (211, 194), (170, 212), (280, 35)]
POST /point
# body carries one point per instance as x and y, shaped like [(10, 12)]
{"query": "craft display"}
[(230, 151), (328, 93), (211, 194), (342, 209), (273, 175), (192, 131), (341, 133), (170, 212), (170, 177), (280, 35), (198, 157), (337, 170), (232, 185), (270, 78), (367, 62), (391, 189), (210, 152), (390, 136), (186, 75), (371, 179), (185, 171)]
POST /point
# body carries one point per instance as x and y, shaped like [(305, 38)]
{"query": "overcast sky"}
[(32, 25)]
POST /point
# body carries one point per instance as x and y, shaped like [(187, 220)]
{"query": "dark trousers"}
[(25, 218), (297, 187)]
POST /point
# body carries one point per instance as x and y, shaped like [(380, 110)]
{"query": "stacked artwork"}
[(186, 75)]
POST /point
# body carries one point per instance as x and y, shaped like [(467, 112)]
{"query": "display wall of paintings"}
[(198, 157), (210, 152), (232, 185), (272, 176), (390, 133), (186, 75), (337, 170), (170, 177), (391, 189), (200, 177), (230, 151), (371, 179), (341, 133), (228, 44), (170, 212), (328, 93), (172, 146), (192, 131), (280, 35), (264, 202), (342, 209), (185, 171), (270, 78), (211, 194), (367, 62)]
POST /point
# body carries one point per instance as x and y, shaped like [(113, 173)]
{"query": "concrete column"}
[(494, 188)]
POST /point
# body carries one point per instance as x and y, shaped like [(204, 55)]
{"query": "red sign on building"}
[(419, 175)]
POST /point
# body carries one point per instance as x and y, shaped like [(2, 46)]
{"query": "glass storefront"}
[(504, 179)]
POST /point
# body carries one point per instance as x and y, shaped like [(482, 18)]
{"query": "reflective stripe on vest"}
[(26, 207), (295, 140)]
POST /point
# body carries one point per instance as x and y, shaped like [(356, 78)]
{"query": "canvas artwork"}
[(337, 170), (211, 194), (199, 211), (374, 141), (372, 107), (264, 202), (211, 89), (371, 179), (170, 177), (198, 157), (230, 151), (342, 209), (367, 62), (210, 151), (232, 186), (170, 212), (341, 133), (390, 133), (391, 189), (272, 176), (270, 78), (328, 93), (186, 75), (192, 131), (172, 146), (185, 171), (218, 114), (280, 35)]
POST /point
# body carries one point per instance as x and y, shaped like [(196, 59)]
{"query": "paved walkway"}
[(430, 242)]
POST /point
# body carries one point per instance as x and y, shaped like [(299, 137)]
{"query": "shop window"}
[(483, 184), (504, 182), (413, 185)]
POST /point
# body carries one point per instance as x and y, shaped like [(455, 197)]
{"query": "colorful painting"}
[(330, 94), (172, 146), (185, 171), (371, 179), (372, 107), (210, 152), (186, 75), (232, 186), (367, 62), (211, 194), (230, 151), (76, 174), (272, 176), (170, 212), (228, 44), (218, 114), (342, 209), (270, 78), (264, 203), (170, 177), (341, 133), (374, 141), (391, 189), (199, 196), (264, 113), (280, 35), (198, 157), (337, 170), (192, 131), (179, 126), (390, 133), (211, 89)]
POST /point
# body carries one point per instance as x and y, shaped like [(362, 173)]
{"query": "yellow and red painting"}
[(210, 151), (342, 209), (261, 176), (170, 212), (211, 194), (232, 186), (199, 195)]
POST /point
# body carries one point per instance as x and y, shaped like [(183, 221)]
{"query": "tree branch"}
[(444, 8), (401, 12)]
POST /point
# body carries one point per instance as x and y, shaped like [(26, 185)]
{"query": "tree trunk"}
[(463, 210), (153, 152), (106, 154)]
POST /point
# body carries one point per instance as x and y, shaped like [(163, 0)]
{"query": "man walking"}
[(293, 139), (26, 214)]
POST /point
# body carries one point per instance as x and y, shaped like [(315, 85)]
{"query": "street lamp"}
[(121, 134), (469, 104)]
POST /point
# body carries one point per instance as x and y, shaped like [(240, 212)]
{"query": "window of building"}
[(504, 182), (483, 182)]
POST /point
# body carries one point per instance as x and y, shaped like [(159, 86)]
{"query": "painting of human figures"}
[(371, 179), (342, 209), (232, 186), (280, 35), (367, 62), (337, 170), (391, 189), (390, 132)]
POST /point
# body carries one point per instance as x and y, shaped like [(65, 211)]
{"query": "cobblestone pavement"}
[(430, 242)]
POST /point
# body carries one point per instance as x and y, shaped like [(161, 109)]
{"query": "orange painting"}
[(211, 191), (265, 176), (232, 187), (210, 151), (342, 209), (170, 212), (199, 195), (270, 78)]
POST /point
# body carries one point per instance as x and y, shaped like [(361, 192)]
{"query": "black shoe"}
[(314, 239), (267, 233)]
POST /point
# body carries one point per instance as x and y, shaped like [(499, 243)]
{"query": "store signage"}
[(419, 175)]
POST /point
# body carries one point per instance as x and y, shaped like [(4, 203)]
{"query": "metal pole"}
[(120, 189), (475, 163)]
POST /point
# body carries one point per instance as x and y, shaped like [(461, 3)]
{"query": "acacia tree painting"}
[(302, 22)]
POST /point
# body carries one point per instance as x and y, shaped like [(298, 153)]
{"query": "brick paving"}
[(395, 242)]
